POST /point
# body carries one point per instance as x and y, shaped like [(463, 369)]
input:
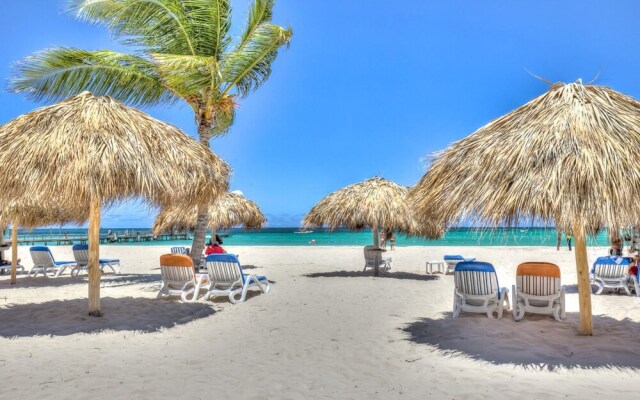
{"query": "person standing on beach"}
[(616, 245), (569, 237), (392, 239), (383, 239)]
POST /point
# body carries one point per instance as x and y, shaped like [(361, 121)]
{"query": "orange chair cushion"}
[(176, 260), (538, 269)]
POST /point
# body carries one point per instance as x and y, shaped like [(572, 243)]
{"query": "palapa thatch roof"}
[(568, 155), (375, 203), (228, 210), (96, 146), (32, 212)]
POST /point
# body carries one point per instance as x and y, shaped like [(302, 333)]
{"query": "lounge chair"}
[(5, 265), (453, 260), (81, 254), (6, 268), (538, 290), (613, 273), (45, 264), (179, 250), (477, 290), (373, 258), (179, 277), (227, 279)]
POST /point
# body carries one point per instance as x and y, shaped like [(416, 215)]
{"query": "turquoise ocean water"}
[(288, 237)]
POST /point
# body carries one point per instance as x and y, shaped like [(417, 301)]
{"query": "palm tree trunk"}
[(200, 233)]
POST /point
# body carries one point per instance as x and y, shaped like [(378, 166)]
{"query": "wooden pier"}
[(116, 237)]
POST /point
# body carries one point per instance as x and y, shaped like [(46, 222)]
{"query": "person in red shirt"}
[(213, 248)]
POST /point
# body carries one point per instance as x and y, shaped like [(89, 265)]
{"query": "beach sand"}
[(326, 331)]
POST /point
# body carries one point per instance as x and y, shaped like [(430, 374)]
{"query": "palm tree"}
[(182, 51)]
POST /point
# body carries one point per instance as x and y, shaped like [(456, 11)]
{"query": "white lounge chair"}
[(612, 272), (373, 258), (180, 250), (45, 264), (453, 260), (538, 290), (477, 290), (179, 277), (81, 254), (227, 279)]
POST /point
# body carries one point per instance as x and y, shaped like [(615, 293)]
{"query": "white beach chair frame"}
[(373, 257), (181, 281), (180, 250), (464, 300), (524, 302), (82, 263), (613, 276), (226, 278), (43, 263)]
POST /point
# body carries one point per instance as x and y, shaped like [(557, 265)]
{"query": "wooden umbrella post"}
[(584, 285), (14, 251), (94, 258), (376, 244)]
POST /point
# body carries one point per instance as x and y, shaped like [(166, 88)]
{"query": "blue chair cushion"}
[(109, 260), (260, 278), (64, 262), (609, 260), (450, 257)]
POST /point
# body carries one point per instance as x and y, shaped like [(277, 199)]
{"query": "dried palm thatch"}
[(96, 147), (228, 210), (568, 156), (92, 151), (375, 203), (32, 212)]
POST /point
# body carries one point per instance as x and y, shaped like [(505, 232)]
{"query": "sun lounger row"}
[(44, 263), (537, 290), (224, 277)]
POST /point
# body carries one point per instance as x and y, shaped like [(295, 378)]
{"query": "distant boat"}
[(523, 230), (303, 231)]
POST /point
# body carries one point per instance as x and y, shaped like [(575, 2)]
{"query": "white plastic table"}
[(439, 265)]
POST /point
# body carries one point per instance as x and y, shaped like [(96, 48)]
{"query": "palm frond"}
[(260, 12), (187, 75), (246, 68), (160, 26), (210, 22), (58, 73)]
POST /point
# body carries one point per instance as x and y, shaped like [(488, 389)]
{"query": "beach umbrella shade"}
[(375, 203), (568, 157), (94, 151), (226, 211), (30, 212)]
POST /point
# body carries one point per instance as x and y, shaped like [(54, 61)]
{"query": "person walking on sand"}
[(569, 237), (392, 239), (383, 239)]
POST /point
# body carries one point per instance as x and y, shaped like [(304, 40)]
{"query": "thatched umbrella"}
[(228, 210), (33, 211), (568, 156), (375, 203), (93, 151)]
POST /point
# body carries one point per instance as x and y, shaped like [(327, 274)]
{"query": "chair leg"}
[(600, 287)]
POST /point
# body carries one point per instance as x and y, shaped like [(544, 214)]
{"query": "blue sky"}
[(369, 87)]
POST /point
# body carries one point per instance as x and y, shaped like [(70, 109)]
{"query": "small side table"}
[(439, 265)]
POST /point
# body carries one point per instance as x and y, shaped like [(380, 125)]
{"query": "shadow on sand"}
[(66, 317), (369, 274), (537, 342), (107, 280)]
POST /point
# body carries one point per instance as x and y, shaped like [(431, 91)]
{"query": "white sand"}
[(333, 335)]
